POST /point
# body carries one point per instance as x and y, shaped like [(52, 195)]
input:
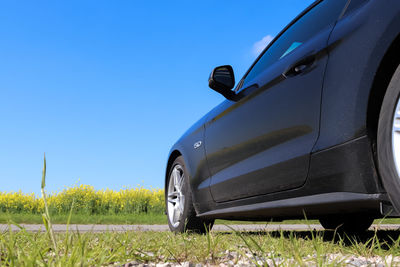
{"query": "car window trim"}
[(310, 7), (276, 38)]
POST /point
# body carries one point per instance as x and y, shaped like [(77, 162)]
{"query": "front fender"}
[(195, 159)]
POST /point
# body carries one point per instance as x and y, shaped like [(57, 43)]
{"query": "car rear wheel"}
[(347, 223), (388, 141), (180, 211)]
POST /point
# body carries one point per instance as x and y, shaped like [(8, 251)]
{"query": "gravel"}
[(247, 259)]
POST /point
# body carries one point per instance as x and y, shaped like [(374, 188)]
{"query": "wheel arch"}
[(172, 157)]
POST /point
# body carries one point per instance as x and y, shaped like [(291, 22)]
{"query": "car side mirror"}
[(222, 80)]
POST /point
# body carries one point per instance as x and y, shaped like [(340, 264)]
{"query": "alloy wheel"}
[(176, 198)]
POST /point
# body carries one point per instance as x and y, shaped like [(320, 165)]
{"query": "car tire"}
[(388, 141), (347, 223), (179, 204)]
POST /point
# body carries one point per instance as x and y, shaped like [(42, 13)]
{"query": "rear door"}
[(262, 143)]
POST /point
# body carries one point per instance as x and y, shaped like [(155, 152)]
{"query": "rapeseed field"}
[(86, 200)]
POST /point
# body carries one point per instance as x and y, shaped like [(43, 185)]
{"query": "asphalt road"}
[(122, 228)]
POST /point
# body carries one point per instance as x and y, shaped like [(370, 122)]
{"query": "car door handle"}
[(300, 66)]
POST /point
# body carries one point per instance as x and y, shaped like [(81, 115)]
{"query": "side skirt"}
[(308, 206)]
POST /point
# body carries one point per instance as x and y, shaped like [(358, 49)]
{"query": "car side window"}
[(320, 16)]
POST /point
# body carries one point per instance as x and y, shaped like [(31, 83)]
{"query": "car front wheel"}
[(180, 211)]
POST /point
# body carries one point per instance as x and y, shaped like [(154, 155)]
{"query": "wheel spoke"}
[(181, 203), (178, 181), (175, 174), (173, 200), (173, 194), (396, 125), (173, 215), (176, 214), (180, 184), (173, 197)]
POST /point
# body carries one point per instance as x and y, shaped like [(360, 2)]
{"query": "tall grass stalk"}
[(46, 214)]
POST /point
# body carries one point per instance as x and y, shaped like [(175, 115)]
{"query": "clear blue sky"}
[(106, 87)]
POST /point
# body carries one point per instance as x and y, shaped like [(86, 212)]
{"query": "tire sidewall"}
[(350, 223), (386, 163)]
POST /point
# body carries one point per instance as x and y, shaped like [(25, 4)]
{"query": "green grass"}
[(85, 219), (103, 249), (103, 219), (113, 219), (281, 248), (132, 219)]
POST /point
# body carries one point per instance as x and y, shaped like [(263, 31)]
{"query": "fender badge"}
[(197, 144)]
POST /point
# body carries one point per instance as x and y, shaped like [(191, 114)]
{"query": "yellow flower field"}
[(87, 200)]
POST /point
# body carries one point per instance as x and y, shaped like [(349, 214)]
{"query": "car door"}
[(261, 142)]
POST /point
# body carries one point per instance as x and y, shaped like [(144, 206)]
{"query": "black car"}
[(311, 130)]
